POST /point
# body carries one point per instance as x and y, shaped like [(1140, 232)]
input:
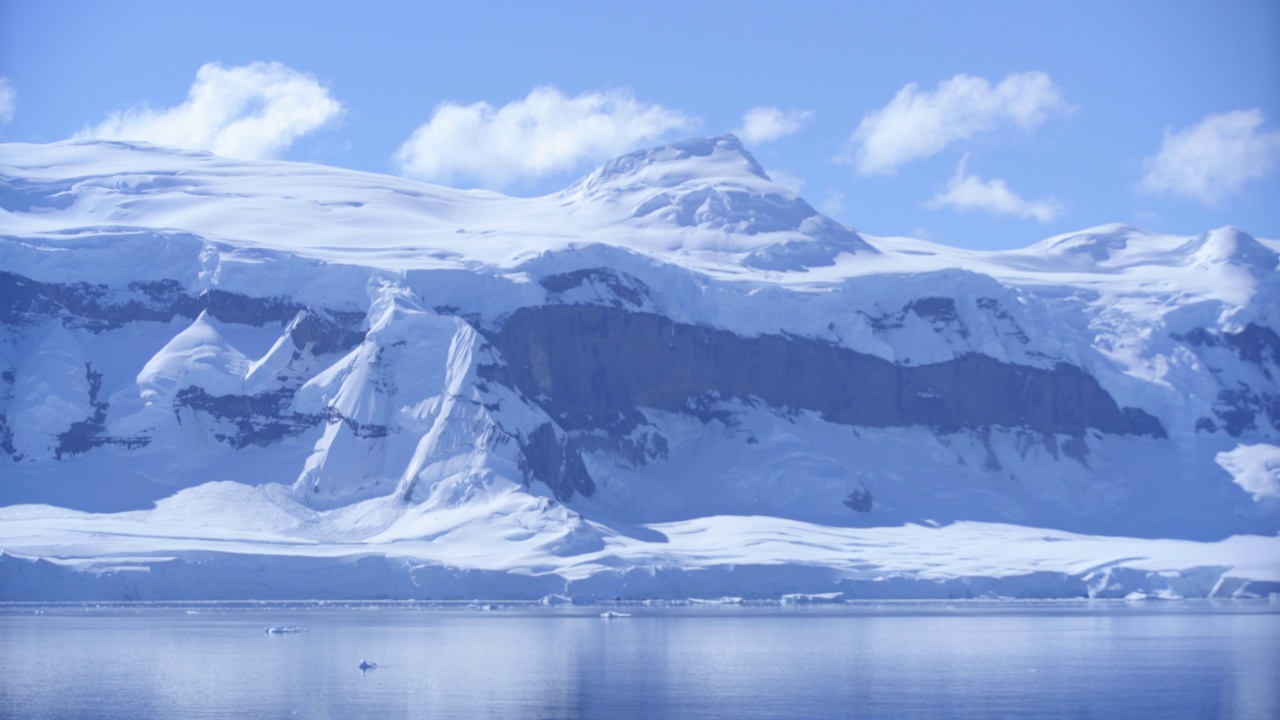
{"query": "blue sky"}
[(978, 124)]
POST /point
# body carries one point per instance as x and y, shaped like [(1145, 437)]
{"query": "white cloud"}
[(764, 124), (544, 133), (251, 112), (8, 100), (788, 180), (1214, 158), (965, 193), (917, 124), (832, 203)]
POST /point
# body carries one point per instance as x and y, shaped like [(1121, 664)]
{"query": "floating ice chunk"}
[(813, 598), (284, 630), (610, 615)]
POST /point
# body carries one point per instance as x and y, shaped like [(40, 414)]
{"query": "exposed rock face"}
[(257, 419), (619, 289), (98, 308), (260, 419), (549, 460), (1241, 406), (84, 435), (591, 367)]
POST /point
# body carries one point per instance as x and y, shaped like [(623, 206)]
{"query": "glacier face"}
[(564, 386)]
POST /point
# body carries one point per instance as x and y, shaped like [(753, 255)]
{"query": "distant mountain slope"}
[(672, 339)]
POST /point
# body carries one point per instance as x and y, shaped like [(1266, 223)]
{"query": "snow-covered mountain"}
[(673, 377)]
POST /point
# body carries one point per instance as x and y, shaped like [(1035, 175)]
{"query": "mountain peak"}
[(714, 187), (1093, 245), (715, 159), (1235, 246)]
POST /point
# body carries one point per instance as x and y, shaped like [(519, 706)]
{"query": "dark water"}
[(906, 660)]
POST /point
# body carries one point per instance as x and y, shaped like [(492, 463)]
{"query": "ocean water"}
[(886, 660)]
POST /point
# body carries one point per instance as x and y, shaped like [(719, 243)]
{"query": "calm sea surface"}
[(893, 660)]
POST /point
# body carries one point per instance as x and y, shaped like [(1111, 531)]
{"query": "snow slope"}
[(257, 544), (672, 378)]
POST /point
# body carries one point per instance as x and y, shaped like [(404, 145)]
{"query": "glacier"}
[(675, 378)]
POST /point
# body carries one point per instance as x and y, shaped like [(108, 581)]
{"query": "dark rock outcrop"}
[(624, 289), (98, 308), (587, 364), (84, 435), (260, 419), (1241, 407), (554, 462)]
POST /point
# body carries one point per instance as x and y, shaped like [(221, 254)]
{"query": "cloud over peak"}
[(250, 112), (8, 99), (920, 123), (764, 124), (527, 139), (1214, 158), (966, 192)]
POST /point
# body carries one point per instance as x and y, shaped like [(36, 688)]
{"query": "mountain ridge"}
[(670, 343)]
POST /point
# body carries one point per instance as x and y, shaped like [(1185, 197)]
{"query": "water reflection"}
[(151, 662)]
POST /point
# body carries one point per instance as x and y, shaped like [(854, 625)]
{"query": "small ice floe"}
[(1141, 596), (366, 666), (831, 598), (284, 630), (726, 600), (610, 615)]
